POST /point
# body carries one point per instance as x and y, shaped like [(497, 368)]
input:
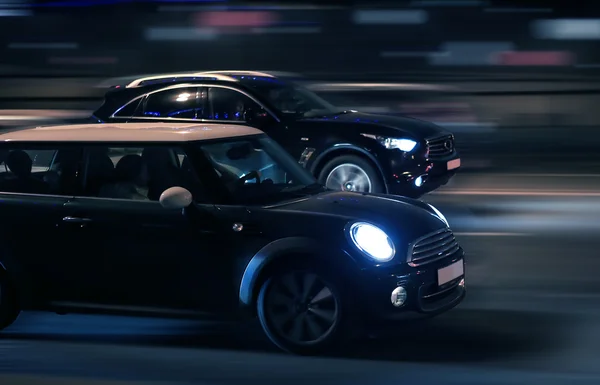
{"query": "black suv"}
[(345, 150)]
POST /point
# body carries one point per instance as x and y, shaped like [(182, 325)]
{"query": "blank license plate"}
[(454, 163), (451, 272)]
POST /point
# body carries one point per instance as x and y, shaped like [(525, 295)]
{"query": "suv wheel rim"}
[(302, 308), (348, 177)]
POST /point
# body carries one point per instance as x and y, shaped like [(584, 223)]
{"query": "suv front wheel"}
[(351, 173)]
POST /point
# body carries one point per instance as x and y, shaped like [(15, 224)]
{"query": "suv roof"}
[(129, 132), (226, 75)]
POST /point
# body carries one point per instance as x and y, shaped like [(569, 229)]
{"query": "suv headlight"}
[(372, 241), (402, 144), (439, 214)]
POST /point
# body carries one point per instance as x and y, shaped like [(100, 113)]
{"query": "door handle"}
[(76, 220)]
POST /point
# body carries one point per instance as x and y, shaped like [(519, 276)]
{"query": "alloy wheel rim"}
[(302, 308), (348, 177)]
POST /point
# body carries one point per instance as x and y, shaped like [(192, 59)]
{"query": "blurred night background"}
[(517, 82)]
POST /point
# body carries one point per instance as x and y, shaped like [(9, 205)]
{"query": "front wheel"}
[(351, 173), (300, 311)]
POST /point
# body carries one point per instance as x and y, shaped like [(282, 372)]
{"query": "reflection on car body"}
[(156, 218), (344, 149)]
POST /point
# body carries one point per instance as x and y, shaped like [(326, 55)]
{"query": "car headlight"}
[(402, 144), (406, 145), (439, 215), (372, 241)]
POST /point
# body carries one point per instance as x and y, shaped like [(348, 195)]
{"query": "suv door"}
[(36, 182), (225, 103), (144, 256)]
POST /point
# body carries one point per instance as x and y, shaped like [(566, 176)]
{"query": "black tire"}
[(377, 185), (331, 335), (9, 310)]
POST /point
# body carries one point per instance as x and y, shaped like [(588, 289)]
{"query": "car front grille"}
[(432, 247), (440, 147)]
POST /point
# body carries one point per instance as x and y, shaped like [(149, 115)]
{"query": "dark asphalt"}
[(531, 316)]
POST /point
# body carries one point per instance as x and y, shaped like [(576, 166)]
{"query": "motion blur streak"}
[(525, 193)]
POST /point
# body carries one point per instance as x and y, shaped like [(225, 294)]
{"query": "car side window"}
[(228, 104), (140, 173), (51, 171), (128, 110), (177, 103), (230, 168)]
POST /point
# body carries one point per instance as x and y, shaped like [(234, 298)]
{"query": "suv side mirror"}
[(175, 198)]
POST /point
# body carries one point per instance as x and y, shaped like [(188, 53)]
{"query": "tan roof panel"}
[(130, 132)]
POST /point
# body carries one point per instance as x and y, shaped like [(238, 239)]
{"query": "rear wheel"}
[(9, 310), (301, 311), (351, 173)]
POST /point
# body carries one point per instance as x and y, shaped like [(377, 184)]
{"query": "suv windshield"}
[(291, 99), (258, 171)]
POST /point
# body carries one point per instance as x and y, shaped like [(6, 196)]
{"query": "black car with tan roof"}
[(165, 219)]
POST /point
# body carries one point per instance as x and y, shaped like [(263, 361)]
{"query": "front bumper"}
[(424, 297), (414, 178)]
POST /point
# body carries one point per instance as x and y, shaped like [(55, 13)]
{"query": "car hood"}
[(402, 218), (419, 128)]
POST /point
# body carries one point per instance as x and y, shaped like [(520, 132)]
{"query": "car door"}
[(36, 182), (146, 257)]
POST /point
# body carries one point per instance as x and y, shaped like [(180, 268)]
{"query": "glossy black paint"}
[(75, 253), (324, 138)]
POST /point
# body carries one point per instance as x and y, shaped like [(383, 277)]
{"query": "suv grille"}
[(441, 146), (432, 247)]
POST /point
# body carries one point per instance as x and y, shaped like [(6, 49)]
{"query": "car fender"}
[(267, 255)]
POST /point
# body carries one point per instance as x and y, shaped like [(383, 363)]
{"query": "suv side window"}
[(45, 170), (228, 104), (128, 110), (140, 173), (176, 103)]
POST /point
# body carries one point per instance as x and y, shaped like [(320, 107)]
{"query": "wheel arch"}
[(269, 257), (341, 150), (10, 269)]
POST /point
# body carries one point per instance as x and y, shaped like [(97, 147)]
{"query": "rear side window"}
[(178, 103), (39, 170), (128, 110), (140, 173)]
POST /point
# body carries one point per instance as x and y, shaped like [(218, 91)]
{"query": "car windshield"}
[(292, 99), (257, 170)]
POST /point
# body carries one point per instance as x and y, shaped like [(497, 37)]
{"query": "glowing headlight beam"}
[(372, 241)]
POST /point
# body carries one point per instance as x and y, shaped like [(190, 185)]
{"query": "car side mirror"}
[(176, 198)]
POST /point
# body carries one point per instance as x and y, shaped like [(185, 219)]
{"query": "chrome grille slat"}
[(437, 146), (439, 247), (433, 247), (435, 238)]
